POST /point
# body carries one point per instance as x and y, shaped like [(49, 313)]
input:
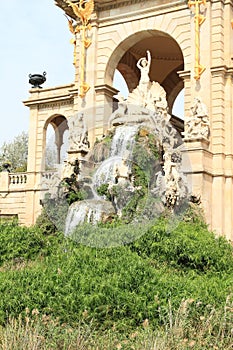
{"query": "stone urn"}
[(37, 79), (6, 166)]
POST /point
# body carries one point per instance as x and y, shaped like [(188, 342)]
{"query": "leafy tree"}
[(15, 153)]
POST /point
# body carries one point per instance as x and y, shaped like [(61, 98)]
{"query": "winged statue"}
[(83, 10)]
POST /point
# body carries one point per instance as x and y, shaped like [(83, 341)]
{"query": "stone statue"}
[(197, 124), (144, 65), (120, 111), (147, 105), (78, 134), (156, 98), (173, 179)]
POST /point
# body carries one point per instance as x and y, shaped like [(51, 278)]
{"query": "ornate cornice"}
[(51, 102), (59, 95), (99, 5), (103, 6)]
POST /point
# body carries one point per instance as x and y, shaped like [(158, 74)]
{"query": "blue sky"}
[(34, 38)]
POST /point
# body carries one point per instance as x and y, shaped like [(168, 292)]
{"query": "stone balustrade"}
[(47, 175), (17, 179)]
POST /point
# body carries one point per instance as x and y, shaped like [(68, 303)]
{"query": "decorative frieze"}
[(55, 105)]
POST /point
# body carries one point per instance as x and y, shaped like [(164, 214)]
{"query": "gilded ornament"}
[(83, 12), (73, 40), (199, 19)]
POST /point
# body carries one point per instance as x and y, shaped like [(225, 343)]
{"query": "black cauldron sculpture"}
[(37, 79)]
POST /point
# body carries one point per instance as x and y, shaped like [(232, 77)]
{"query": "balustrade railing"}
[(47, 175), (17, 179)]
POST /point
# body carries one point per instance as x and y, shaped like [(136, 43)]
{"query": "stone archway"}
[(167, 60), (59, 125)]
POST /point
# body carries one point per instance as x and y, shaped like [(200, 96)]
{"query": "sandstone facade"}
[(121, 32)]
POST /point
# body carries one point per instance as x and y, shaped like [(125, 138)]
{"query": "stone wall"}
[(13, 196), (116, 28)]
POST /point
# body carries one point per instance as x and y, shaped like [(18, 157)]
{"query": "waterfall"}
[(123, 140), (91, 211), (121, 148)]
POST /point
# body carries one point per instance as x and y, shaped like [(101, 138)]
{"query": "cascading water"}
[(123, 140), (93, 210), (121, 149)]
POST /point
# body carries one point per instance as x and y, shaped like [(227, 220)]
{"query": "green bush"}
[(44, 223), (187, 246), (115, 287), (19, 243)]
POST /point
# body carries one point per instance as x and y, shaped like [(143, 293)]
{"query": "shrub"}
[(187, 246), (118, 287), (19, 243)]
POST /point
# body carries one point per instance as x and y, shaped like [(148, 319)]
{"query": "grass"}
[(166, 290), (40, 332)]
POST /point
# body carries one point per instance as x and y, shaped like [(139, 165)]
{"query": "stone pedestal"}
[(198, 167)]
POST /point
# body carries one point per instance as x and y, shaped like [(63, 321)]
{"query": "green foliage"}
[(117, 287), (20, 244), (134, 205), (44, 223), (102, 190), (143, 166), (73, 190), (40, 332), (54, 212), (79, 195), (107, 139), (15, 153), (145, 160), (187, 246)]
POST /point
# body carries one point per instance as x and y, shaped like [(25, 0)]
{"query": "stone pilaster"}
[(104, 107), (198, 167), (218, 110)]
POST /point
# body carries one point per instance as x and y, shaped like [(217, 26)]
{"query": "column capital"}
[(106, 89), (217, 71), (184, 74), (229, 72)]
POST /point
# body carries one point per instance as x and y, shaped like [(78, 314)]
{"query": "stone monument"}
[(179, 51)]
